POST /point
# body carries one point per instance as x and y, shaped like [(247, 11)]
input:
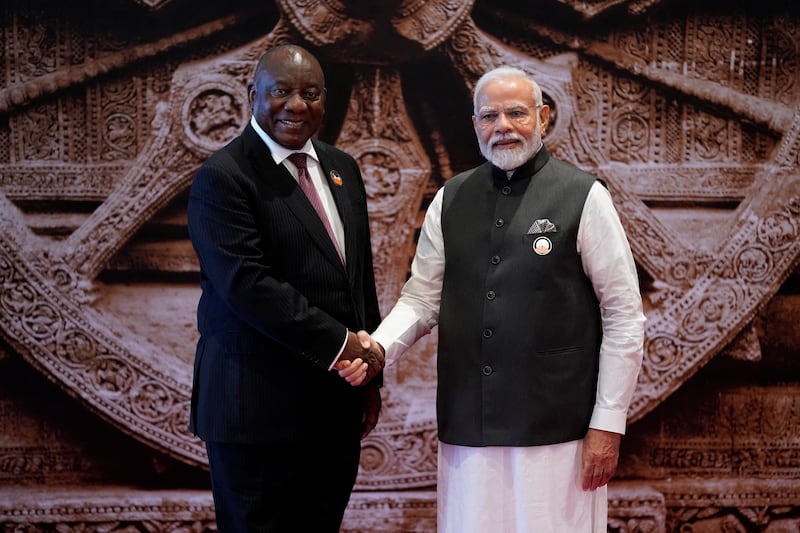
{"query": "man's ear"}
[(544, 118), (251, 95)]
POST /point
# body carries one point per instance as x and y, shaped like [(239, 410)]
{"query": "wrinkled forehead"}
[(503, 93)]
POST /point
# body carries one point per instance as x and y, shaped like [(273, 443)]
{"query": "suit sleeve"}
[(224, 232)]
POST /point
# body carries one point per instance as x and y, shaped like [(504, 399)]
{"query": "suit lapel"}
[(292, 195), (336, 177)]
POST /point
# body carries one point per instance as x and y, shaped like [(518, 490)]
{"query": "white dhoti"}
[(534, 489)]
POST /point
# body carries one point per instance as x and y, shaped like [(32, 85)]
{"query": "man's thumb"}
[(364, 339)]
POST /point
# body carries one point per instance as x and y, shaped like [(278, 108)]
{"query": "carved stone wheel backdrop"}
[(666, 127)]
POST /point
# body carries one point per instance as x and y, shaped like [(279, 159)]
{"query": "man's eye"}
[(311, 96), (517, 114), (488, 117), (277, 92)]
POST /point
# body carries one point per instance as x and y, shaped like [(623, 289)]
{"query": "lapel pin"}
[(542, 246), (336, 178)]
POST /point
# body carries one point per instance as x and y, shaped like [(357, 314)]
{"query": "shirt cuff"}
[(609, 420), (338, 355)]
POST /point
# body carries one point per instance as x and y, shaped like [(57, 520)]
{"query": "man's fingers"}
[(347, 367), (595, 478), (587, 481), (343, 365), (364, 339), (352, 371), (364, 366), (357, 378)]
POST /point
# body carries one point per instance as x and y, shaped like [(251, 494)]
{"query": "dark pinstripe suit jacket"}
[(276, 300)]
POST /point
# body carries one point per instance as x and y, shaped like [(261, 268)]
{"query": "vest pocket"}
[(561, 350)]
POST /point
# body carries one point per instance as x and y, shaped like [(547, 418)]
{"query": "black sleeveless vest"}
[(519, 324)]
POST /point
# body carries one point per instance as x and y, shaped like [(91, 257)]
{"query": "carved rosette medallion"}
[(213, 113), (399, 456)]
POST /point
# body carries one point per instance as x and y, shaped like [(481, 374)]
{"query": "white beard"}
[(509, 159)]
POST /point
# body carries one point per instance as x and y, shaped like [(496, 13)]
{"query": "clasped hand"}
[(361, 359)]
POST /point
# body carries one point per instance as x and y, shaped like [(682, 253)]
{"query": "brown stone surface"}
[(689, 113)]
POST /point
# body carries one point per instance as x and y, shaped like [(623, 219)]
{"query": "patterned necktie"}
[(307, 185)]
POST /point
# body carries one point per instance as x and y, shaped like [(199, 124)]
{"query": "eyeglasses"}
[(520, 115)]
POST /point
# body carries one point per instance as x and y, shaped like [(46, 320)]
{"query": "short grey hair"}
[(506, 72)]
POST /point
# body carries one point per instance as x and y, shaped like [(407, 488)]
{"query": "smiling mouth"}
[(508, 143), (292, 124)]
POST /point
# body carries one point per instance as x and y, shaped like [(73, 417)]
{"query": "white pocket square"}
[(542, 225)]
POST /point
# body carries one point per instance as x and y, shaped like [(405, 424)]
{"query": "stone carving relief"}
[(697, 139)]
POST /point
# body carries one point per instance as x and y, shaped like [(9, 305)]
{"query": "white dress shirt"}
[(280, 155)]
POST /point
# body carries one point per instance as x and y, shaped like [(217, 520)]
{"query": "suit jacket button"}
[(487, 370)]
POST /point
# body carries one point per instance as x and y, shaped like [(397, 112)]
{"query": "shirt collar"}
[(280, 153)]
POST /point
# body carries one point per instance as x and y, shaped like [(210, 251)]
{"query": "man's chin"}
[(508, 160), (292, 140)]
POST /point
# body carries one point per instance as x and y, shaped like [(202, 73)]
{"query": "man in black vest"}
[(525, 267), (287, 278)]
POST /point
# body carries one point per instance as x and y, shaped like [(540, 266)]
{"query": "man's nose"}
[(295, 102), (502, 123)]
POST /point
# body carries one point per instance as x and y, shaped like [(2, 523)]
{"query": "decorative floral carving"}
[(214, 115), (75, 347), (778, 230), (151, 400), (754, 264), (112, 376)]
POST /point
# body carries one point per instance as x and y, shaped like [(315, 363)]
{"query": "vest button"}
[(487, 333), (490, 295), (495, 259), (506, 190), (499, 223), (487, 370)]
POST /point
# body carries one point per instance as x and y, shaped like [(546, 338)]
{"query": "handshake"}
[(361, 359)]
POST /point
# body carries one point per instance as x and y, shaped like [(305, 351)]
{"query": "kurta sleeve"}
[(417, 310), (608, 262)]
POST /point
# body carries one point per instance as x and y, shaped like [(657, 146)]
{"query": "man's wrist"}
[(341, 350)]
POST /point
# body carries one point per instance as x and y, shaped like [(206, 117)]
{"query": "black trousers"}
[(282, 488)]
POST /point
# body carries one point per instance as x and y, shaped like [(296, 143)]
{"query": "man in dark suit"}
[(284, 289)]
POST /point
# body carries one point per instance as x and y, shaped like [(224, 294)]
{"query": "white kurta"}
[(536, 488)]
